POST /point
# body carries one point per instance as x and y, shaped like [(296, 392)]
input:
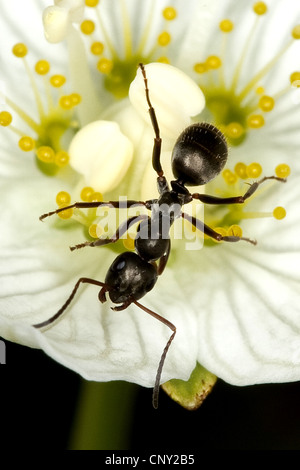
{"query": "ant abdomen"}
[(129, 277), (199, 154)]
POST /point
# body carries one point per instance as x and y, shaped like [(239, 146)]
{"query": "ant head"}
[(199, 154)]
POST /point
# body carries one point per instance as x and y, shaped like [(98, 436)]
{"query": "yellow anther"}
[(129, 243), (260, 90), (91, 3), (295, 77), (67, 214), (296, 32), (26, 143), (61, 158), (75, 98), (63, 198), (105, 65), (266, 103), (169, 13), (42, 67), (66, 102), (213, 62), (57, 80), (260, 8), (241, 170), (86, 193), (235, 230), (229, 176), (95, 230), (5, 118), (163, 60), (279, 213), (222, 231), (255, 121), (46, 154), (20, 50), (254, 170), (226, 26), (164, 39), (97, 48), (200, 67), (96, 197), (87, 27), (234, 130), (283, 170)]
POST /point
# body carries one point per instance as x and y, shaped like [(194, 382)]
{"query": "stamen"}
[(20, 50), (235, 130), (255, 121), (283, 170), (91, 3), (266, 103), (241, 170), (95, 230), (164, 38), (229, 176), (67, 214), (105, 65), (226, 26), (57, 81), (62, 158), (254, 170), (42, 67), (86, 193), (5, 118), (235, 230), (129, 243), (213, 62), (169, 13), (87, 27), (46, 154), (97, 48), (279, 213), (96, 197), (26, 143), (260, 8), (63, 198)]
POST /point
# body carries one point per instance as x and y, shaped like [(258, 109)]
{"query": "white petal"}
[(101, 153), (174, 95)]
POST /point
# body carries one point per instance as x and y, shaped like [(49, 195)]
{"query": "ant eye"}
[(199, 155), (120, 265)]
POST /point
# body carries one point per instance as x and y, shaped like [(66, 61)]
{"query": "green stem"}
[(104, 416)]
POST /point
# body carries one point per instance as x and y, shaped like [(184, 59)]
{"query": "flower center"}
[(118, 64), (237, 107), (56, 117)]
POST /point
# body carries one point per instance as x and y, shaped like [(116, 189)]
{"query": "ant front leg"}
[(198, 224), (207, 199), (119, 233)]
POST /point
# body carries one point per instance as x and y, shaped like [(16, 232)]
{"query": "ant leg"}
[(163, 260), (164, 353), (157, 139), (94, 204), (207, 199), (124, 227), (69, 300), (212, 233)]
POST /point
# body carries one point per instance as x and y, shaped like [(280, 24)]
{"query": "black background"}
[(39, 399)]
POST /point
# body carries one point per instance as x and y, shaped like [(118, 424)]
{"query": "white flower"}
[(235, 306)]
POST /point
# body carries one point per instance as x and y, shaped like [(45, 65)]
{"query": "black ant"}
[(199, 155)]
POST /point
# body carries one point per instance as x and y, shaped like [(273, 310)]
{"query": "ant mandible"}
[(199, 155)]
